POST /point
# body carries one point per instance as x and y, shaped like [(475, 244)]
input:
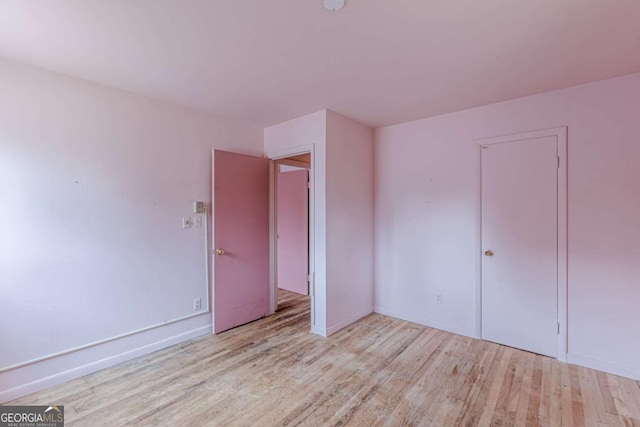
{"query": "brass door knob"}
[(219, 251), (488, 252)]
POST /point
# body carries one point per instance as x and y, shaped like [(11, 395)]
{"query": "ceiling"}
[(378, 61)]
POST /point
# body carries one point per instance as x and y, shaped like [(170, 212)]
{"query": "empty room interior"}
[(320, 212)]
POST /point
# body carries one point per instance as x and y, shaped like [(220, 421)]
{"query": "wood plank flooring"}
[(379, 371)]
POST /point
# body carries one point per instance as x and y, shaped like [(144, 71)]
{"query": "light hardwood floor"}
[(379, 371)]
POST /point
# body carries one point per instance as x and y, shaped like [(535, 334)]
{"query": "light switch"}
[(186, 222), (197, 221), (198, 207)]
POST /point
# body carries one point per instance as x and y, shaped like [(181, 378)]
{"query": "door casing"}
[(560, 133)]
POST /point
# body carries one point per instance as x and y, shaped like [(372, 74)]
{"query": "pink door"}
[(292, 210), (241, 239)]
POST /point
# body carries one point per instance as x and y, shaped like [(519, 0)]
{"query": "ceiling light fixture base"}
[(333, 5)]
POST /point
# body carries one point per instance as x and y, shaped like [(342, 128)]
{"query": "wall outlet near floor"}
[(186, 222), (438, 298), (197, 304)]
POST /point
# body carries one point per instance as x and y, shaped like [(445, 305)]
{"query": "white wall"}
[(428, 203), (296, 136), (349, 221), (93, 185)]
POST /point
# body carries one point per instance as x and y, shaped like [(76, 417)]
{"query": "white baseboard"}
[(80, 371), (340, 325), (319, 331), (425, 322), (609, 367)]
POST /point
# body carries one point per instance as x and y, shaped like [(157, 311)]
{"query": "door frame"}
[(273, 283), (560, 133)]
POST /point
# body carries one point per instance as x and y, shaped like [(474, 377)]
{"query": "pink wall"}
[(94, 183), (349, 221), (428, 203)]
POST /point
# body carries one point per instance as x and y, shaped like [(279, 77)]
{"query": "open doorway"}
[(292, 214)]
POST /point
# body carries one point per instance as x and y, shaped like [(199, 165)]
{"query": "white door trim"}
[(561, 137), (273, 284)]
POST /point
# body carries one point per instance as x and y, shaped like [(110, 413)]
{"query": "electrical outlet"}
[(438, 298), (186, 222), (197, 304), (197, 221)]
